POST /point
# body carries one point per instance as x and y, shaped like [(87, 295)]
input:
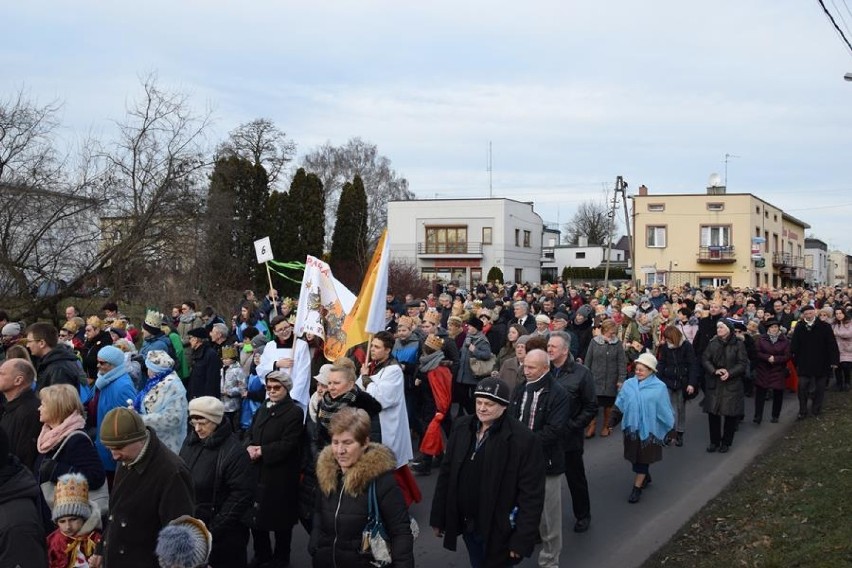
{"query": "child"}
[(233, 385), (184, 543), (79, 522)]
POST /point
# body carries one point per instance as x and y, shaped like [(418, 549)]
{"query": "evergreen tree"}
[(349, 239), (307, 217)]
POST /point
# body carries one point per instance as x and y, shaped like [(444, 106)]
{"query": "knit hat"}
[(118, 331), (208, 407), (280, 377), (184, 543), (560, 316), (727, 323), (71, 498), (522, 340), (432, 316), (629, 311), (122, 426), (159, 361), (322, 375), (493, 389), (434, 342), (648, 360), (11, 329), (198, 332), (805, 308), (475, 323), (259, 342), (229, 352), (112, 355)]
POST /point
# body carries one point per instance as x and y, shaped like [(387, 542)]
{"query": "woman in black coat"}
[(773, 352), (275, 447), (725, 365), (345, 471), (678, 368), (96, 339), (223, 478)]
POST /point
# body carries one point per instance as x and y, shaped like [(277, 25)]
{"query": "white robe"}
[(300, 372), (388, 387)]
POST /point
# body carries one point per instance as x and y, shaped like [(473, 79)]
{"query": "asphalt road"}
[(622, 534)]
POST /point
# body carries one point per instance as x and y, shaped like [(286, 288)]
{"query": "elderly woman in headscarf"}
[(646, 416), (162, 400)]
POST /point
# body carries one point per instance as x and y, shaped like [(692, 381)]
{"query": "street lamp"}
[(848, 76)]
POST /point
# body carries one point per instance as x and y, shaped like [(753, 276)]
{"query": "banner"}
[(368, 314)]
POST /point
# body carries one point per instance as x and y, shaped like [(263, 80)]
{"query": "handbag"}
[(99, 496), (482, 368), (374, 538)]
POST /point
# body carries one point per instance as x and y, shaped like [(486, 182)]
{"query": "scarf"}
[(431, 361), (187, 318), (152, 382), (648, 414), (106, 379), (773, 337), (329, 406), (49, 437)]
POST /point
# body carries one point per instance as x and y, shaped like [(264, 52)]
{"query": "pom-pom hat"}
[(71, 498)]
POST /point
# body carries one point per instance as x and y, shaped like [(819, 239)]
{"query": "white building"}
[(462, 239), (816, 261), (839, 267)]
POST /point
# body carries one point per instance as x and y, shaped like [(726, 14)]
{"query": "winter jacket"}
[(188, 322), (233, 385), (204, 379), (277, 429), (513, 458), (340, 513), (90, 350), (843, 336), (550, 411), (706, 332), (608, 364), (159, 342), (814, 349), (678, 367), (181, 359), (22, 539), (772, 375), (145, 497), (78, 455), (512, 372), (482, 352), (164, 409), (224, 481), (579, 384), (115, 394), (60, 365), (583, 333), (366, 403), (407, 352), (19, 418), (725, 398)]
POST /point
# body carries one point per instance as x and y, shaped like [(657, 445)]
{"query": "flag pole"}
[(269, 277)]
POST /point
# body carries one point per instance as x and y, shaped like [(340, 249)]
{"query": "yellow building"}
[(715, 239)]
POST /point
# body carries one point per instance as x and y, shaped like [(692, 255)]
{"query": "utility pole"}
[(620, 190)]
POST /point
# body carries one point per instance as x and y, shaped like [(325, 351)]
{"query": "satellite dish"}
[(715, 180)]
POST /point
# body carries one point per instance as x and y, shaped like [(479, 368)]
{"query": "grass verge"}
[(791, 508)]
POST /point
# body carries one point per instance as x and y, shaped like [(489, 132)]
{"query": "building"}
[(839, 268), (716, 238), (462, 239), (581, 255), (816, 261)]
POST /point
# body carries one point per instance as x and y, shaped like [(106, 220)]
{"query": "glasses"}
[(283, 329), (198, 421), (273, 388)]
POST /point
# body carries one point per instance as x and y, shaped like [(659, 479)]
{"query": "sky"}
[(567, 94)]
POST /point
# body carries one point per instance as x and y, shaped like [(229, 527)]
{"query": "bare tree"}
[(591, 221), (335, 165), (261, 143)]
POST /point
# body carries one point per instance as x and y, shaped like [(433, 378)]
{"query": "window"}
[(579, 255), (716, 236), (486, 235), (519, 275), (656, 207), (716, 206), (446, 240), (527, 236), (655, 279), (655, 236), (517, 238)]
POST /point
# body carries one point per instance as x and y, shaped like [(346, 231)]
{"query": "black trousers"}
[(760, 400), (811, 387), (575, 474), (717, 433), (263, 545)]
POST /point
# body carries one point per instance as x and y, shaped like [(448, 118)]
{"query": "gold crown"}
[(154, 318)]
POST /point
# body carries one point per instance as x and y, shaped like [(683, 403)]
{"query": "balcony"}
[(716, 255), (449, 250), (787, 260)]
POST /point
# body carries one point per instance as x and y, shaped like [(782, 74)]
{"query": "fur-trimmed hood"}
[(376, 460)]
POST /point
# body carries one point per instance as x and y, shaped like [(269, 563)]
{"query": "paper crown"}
[(154, 319), (432, 316), (71, 497), (434, 342)]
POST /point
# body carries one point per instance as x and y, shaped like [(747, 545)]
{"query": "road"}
[(622, 534)]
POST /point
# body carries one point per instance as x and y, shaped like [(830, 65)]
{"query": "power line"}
[(840, 15), (834, 23)]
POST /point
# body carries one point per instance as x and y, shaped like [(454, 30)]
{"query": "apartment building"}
[(816, 261), (716, 238)]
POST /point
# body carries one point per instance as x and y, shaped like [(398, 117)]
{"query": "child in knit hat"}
[(233, 384), (78, 520)]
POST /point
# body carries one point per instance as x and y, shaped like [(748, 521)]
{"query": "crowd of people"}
[(189, 439)]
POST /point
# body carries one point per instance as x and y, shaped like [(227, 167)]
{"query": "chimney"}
[(643, 190)]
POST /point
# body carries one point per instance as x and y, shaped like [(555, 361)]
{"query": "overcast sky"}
[(569, 94)]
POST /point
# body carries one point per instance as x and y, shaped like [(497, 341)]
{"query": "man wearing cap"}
[(19, 414), (115, 388), (152, 487), (816, 355), (11, 335), (204, 378), (542, 405), (491, 472), (57, 363)]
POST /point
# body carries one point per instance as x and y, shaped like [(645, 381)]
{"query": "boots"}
[(607, 414), (590, 429)]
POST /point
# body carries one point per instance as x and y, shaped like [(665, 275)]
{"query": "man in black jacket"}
[(579, 383), (22, 540), (542, 406), (57, 364), (19, 416), (816, 356), (205, 377), (473, 504)]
